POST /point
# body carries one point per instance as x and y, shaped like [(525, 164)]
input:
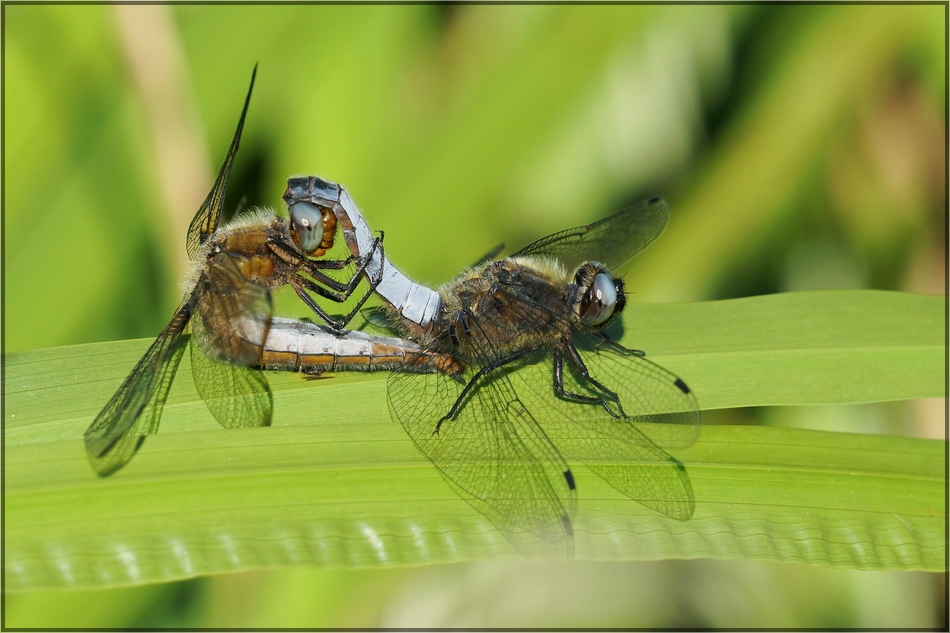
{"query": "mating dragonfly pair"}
[(500, 377)]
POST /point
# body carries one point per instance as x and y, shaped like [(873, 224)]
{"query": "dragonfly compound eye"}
[(306, 221), (600, 300)]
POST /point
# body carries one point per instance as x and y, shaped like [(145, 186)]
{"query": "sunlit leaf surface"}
[(801, 147), (335, 482)]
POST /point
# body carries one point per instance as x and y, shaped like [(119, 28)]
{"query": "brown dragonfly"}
[(536, 380), (228, 307)]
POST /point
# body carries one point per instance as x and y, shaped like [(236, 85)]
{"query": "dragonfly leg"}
[(345, 319), (621, 349), (301, 285), (313, 267), (483, 371), (330, 264), (559, 382), (339, 291), (342, 289), (328, 288), (578, 363), (377, 246)]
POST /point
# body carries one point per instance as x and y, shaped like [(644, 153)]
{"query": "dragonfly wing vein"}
[(135, 409), (610, 241), (493, 453)]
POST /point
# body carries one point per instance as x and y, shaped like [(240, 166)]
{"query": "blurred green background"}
[(800, 148)]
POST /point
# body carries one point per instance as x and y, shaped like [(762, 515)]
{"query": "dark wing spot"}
[(568, 528), (682, 385), (569, 477)]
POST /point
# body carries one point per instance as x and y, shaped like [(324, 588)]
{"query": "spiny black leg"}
[(297, 285), (365, 262), (312, 267), (483, 371), (312, 286), (368, 258), (559, 382), (300, 284), (346, 289), (330, 264), (342, 291), (569, 395), (581, 368), (337, 291), (359, 305), (621, 349)]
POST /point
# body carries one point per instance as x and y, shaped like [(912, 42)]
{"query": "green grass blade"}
[(335, 482), (806, 348)]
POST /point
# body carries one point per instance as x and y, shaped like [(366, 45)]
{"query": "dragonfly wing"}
[(489, 256), (135, 409), (231, 314), (639, 408), (232, 319), (636, 467), (610, 241), (237, 396), (493, 454), (379, 319), (658, 402), (208, 217), (625, 447)]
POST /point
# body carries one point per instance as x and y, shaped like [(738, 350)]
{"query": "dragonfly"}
[(227, 304), (537, 380)]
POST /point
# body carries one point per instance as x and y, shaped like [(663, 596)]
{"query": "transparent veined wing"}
[(504, 449), (208, 217), (135, 409), (639, 408), (494, 454), (610, 241), (489, 256), (237, 396), (622, 439), (643, 390), (231, 320)]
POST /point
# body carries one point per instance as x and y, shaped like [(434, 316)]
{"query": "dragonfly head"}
[(312, 224), (601, 295), (312, 228)]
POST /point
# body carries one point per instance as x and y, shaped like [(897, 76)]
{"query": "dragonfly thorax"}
[(506, 306)]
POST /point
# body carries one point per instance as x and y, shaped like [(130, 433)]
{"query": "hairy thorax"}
[(249, 244), (506, 306)]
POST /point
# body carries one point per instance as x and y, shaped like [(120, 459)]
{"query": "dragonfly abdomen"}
[(301, 346), (416, 304)]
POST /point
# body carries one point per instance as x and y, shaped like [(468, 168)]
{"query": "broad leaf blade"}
[(336, 482)]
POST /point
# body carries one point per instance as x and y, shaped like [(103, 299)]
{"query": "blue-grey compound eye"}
[(306, 221), (599, 302)]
